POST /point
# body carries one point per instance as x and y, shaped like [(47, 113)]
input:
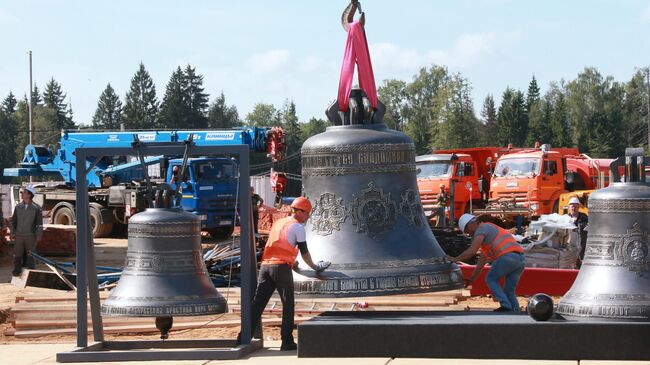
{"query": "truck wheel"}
[(64, 215), (221, 232), (101, 220)]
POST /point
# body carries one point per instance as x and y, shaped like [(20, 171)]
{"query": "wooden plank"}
[(147, 329)]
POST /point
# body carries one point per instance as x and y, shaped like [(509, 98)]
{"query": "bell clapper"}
[(164, 324)]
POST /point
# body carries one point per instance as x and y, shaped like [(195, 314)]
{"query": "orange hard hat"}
[(302, 204)]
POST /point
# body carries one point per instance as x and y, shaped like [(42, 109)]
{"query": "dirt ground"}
[(111, 252)]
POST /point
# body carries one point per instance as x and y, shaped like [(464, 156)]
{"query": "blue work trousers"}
[(508, 266)]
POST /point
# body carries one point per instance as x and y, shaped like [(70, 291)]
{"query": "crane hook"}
[(348, 14)]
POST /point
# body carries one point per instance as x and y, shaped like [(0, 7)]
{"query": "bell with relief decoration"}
[(367, 218), (614, 279), (164, 274)]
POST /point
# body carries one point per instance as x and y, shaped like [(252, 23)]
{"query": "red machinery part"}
[(278, 182), (275, 144)]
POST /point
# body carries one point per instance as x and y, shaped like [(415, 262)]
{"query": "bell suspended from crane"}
[(614, 279), (367, 219), (164, 273)]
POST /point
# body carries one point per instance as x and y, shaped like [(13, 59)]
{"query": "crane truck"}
[(117, 187)]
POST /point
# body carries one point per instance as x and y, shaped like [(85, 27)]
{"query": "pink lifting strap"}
[(356, 51)]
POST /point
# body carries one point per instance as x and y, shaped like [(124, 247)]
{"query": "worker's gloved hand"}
[(322, 265)]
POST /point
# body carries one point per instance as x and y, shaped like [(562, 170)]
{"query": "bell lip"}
[(378, 293), (222, 307)]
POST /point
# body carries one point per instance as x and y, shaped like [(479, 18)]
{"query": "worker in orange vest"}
[(286, 239), (499, 247)]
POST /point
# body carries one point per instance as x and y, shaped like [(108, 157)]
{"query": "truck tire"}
[(101, 220), (64, 214), (221, 232)]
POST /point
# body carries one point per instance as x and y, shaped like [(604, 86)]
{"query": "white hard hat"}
[(30, 189), (574, 200), (464, 220)]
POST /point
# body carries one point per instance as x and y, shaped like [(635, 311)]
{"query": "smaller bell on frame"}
[(164, 274), (614, 279)]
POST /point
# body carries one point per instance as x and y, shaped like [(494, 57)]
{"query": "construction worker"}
[(505, 253), (442, 200), (26, 230), (581, 220), (286, 239), (256, 203)]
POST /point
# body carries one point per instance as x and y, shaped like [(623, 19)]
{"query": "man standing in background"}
[(26, 230)]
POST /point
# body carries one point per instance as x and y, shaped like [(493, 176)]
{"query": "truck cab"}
[(208, 188), (440, 169)]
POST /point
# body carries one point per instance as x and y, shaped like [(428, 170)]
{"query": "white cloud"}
[(645, 14), (468, 50), (268, 62)]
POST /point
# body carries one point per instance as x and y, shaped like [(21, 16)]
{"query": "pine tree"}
[(489, 128), (532, 96), (9, 104), (174, 110), (222, 116), (196, 98), (54, 98), (109, 110), (560, 127), (141, 106), (291, 127), (36, 96), (8, 127)]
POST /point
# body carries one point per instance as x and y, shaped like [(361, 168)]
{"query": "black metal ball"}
[(540, 307)]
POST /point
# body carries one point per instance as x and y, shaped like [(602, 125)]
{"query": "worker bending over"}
[(499, 247), (286, 239)]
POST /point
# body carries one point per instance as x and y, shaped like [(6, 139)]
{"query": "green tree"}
[(559, 124), (459, 126), (263, 115), (512, 119), (532, 96), (635, 109), (9, 104), (595, 118), (313, 127), (426, 98), (195, 98), (174, 110), (291, 127), (54, 98), (221, 115), (489, 127), (36, 96), (8, 128), (392, 94), (109, 110), (141, 106)]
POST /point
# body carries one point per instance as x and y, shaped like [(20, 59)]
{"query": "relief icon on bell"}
[(367, 219)]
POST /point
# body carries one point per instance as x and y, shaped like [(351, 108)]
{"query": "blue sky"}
[(270, 51)]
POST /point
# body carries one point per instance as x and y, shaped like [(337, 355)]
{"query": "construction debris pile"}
[(551, 242)]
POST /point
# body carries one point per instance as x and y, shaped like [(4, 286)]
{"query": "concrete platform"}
[(469, 335)]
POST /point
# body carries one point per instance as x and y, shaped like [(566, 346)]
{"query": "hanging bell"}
[(614, 279), (164, 274), (367, 218)]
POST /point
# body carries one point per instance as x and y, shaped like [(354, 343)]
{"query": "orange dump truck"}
[(468, 168), (529, 182)]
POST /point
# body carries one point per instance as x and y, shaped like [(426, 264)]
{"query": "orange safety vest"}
[(278, 250), (503, 243)]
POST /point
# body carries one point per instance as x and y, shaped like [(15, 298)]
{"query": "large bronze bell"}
[(367, 218), (164, 273), (614, 280)]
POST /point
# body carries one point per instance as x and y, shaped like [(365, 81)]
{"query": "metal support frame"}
[(204, 349)]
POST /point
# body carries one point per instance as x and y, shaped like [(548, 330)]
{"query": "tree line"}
[(596, 113)]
